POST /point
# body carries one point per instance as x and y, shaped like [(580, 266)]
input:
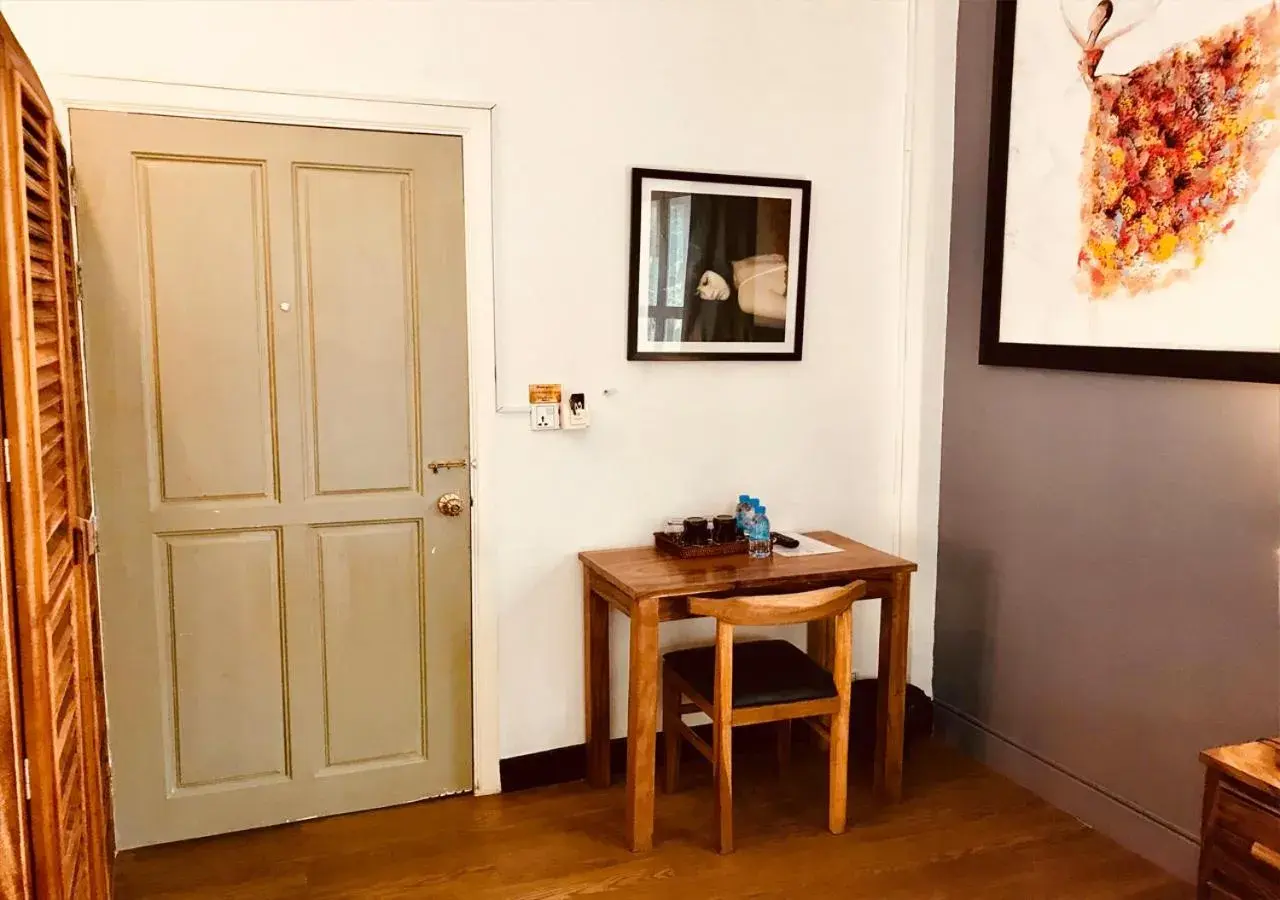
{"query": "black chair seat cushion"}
[(765, 673)]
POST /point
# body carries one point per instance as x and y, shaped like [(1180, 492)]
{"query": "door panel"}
[(276, 346), (357, 268), (371, 594), (215, 438), (229, 711)]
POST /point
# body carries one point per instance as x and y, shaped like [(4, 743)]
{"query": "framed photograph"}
[(717, 266), (1133, 215)]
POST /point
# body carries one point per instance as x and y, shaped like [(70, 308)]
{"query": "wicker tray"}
[(674, 545)]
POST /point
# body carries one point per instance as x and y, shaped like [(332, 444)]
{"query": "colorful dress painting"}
[(1174, 148)]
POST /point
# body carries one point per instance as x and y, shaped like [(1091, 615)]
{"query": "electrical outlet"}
[(544, 416)]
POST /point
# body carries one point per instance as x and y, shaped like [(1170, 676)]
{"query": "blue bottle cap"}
[(744, 498), (760, 509)]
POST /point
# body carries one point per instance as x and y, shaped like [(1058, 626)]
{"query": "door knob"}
[(449, 505)]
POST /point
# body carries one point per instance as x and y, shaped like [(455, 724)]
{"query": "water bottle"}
[(745, 510), (759, 541)]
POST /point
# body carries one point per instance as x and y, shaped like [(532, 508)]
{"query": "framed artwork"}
[(717, 266), (1133, 215)]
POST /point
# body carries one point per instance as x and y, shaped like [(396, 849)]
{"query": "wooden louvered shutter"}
[(98, 782), (50, 524)]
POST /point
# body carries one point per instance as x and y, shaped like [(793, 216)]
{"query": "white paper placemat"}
[(808, 546)]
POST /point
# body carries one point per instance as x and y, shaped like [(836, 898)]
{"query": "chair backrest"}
[(779, 609)]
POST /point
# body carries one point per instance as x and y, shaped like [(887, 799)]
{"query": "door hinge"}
[(8, 472), (85, 536), (73, 188), (79, 281), (26, 777)]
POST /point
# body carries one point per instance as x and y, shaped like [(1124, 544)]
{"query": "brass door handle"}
[(449, 505), (437, 464)]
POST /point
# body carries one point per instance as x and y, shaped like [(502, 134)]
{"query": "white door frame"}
[(472, 123)]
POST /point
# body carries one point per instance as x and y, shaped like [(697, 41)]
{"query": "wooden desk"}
[(1240, 832), (650, 587)]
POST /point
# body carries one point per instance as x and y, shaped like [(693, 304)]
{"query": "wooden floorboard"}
[(962, 831)]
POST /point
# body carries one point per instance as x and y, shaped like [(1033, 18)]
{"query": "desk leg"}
[(891, 705), (595, 627), (642, 725)]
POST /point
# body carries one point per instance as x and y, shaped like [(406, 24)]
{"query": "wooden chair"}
[(762, 681)]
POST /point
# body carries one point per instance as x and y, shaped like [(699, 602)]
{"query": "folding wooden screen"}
[(56, 844)]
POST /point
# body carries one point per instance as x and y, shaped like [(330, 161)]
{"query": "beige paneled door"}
[(276, 338)]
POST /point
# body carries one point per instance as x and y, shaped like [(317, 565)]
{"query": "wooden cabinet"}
[(1240, 836), (55, 830)]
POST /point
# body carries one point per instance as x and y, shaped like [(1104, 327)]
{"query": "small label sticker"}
[(544, 393)]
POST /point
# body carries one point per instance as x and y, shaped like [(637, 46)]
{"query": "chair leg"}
[(722, 745), (837, 811), (723, 748), (670, 734), (838, 770), (784, 745)]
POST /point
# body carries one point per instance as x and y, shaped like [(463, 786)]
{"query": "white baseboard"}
[(1149, 836)]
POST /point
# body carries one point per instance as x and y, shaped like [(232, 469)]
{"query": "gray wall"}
[(1107, 589)]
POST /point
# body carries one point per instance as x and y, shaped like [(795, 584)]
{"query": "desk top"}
[(646, 572), (1254, 763)]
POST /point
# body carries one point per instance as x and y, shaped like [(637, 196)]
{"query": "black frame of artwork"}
[(1221, 365), (637, 252)]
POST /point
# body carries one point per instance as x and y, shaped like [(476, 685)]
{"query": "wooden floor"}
[(962, 832)]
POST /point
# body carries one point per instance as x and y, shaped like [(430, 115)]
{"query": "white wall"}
[(583, 91)]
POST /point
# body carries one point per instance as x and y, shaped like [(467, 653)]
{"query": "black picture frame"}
[(798, 264), (1218, 365)]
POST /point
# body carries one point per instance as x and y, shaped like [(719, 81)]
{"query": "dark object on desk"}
[(763, 681), (675, 545), (695, 530), (1240, 833), (783, 541), (725, 529)]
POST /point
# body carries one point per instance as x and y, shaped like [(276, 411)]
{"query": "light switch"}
[(575, 414)]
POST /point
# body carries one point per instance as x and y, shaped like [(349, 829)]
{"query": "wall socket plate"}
[(574, 413), (544, 416)]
